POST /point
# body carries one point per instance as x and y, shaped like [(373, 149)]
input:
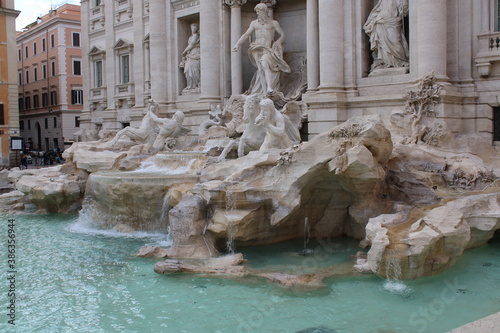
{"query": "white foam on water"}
[(82, 225), (396, 287), (151, 167)]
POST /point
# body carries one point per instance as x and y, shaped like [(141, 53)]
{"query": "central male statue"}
[(265, 53)]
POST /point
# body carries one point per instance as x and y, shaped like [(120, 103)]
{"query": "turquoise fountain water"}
[(73, 278)]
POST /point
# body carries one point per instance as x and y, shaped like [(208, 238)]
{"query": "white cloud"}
[(31, 9)]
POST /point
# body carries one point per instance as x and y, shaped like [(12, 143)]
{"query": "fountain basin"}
[(131, 201)]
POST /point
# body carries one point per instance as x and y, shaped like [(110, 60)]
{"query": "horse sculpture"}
[(253, 135)]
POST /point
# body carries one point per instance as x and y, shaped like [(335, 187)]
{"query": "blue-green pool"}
[(72, 279)]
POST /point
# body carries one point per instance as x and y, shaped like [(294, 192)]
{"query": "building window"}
[(77, 96), (52, 40), (53, 97), (19, 54), (77, 67), (27, 76), (98, 73), (21, 123), (36, 101), (35, 74), (77, 121), (26, 52), (20, 78), (76, 39), (43, 44), (55, 122), (56, 142), (20, 103), (45, 102), (46, 123), (29, 124), (2, 115), (34, 48), (124, 68), (44, 71), (97, 2), (53, 68), (27, 102)]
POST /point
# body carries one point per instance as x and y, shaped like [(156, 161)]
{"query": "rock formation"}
[(415, 205)]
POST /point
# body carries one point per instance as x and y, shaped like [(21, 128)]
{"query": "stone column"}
[(485, 15), (331, 44), (270, 4), (147, 64), (158, 51), (236, 62), (210, 49), (312, 45), (432, 41)]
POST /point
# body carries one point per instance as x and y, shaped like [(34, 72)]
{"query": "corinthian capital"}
[(231, 3)]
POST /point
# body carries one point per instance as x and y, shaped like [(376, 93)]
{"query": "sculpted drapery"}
[(384, 26)]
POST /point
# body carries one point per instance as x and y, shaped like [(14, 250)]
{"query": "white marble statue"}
[(87, 134), (253, 134), (384, 26), (275, 124), (170, 128), (147, 131), (191, 61), (265, 53)]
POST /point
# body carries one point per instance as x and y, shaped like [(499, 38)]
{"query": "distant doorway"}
[(38, 136)]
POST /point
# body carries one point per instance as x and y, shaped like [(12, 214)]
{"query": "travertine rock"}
[(92, 156), (226, 265), (50, 189), (434, 242), (188, 225), (335, 181), (111, 199), (12, 201)]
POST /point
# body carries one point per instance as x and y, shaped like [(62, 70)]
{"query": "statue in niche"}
[(147, 131), (276, 127), (191, 61), (170, 128), (265, 53), (384, 26)]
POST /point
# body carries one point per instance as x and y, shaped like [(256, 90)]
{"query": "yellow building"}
[(9, 110)]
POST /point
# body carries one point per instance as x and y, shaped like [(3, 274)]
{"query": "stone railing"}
[(125, 90), (98, 94), (489, 52)]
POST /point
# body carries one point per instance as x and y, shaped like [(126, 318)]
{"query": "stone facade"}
[(134, 49), (9, 117), (49, 70)]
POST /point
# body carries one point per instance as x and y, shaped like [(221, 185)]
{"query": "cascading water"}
[(176, 163), (111, 200), (307, 235), (231, 228), (394, 284)]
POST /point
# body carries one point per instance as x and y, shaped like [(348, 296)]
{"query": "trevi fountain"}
[(379, 224)]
